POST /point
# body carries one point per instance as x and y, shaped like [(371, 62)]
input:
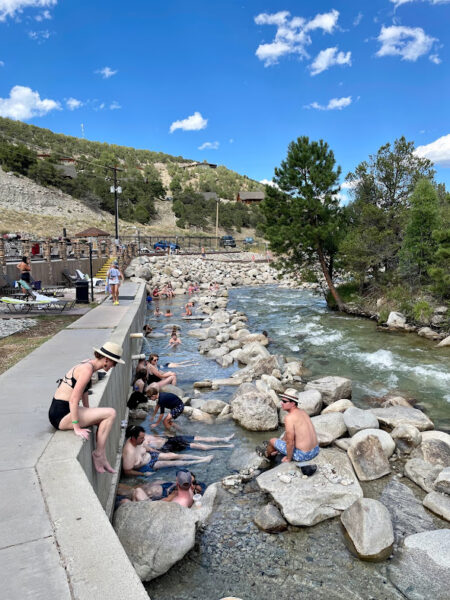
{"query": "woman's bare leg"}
[(199, 438), (161, 464), (197, 446)]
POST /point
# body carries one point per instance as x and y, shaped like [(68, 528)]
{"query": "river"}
[(232, 557)]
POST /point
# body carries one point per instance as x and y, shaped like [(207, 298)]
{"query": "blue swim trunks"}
[(149, 466), (298, 455)]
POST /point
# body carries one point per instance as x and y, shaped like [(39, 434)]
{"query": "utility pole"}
[(217, 223), (115, 189)]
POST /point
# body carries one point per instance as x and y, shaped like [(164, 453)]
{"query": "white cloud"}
[(408, 42), (44, 16), (2, 64), (438, 151), (292, 35), (328, 58), (23, 103), (106, 72), (333, 104), (357, 20), (193, 123), (400, 2), (73, 103), (231, 141), (209, 146), (114, 105), (39, 36), (269, 182), (435, 59), (9, 8)]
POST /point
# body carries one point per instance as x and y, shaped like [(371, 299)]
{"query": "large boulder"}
[(305, 502), (368, 459), (435, 452), (399, 415), (422, 568), (253, 409), (257, 368), (439, 504), (357, 419), (338, 406), (310, 401), (435, 434), (269, 518), (155, 535), (387, 443), (331, 388), (252, 352), (368, 525), (213, 407), (329, 427), (442, 482), (396, 320), (422, 473), (406, 437)]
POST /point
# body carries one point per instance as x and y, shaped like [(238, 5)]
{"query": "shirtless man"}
[(140, 459), (184, 493), (300, 439), (178, 443)]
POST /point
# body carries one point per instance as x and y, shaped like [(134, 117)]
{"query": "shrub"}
[(422, 311)]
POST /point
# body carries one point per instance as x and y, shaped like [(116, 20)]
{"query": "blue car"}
[(164, 245)]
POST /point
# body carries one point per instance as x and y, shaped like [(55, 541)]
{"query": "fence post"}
[(47, 252), (2, 256)]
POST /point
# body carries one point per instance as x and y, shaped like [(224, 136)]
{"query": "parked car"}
[(249, 241), (164, 245), (227, 241)]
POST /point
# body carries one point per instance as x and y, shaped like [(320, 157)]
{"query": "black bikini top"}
[(71, 381)]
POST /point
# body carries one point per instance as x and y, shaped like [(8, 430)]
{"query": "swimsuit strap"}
[(71, 381)]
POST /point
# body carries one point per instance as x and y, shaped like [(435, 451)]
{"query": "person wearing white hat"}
[(65, 410)]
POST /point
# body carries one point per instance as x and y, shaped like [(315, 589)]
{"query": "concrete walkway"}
[(56, 541)]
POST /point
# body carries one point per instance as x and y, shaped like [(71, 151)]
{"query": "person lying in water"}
[(139, 459), (178, 443)]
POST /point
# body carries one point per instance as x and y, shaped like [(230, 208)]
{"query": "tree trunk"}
[(328, 279)]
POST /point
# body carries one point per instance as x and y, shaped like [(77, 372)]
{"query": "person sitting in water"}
[(157, 312), (174, 340), (155, 292), (140, 459), (168, 313), (300, 439), (191, 289), (65, 412), (147, 330), (158, 378), (188, 309), (184, 493), (165, 400)]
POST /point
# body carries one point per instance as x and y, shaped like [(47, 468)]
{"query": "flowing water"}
[(232, 557)]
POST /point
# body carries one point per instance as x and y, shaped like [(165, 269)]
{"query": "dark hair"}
[(141, 374), (133, 431), (24, 258), (152, 356), (98, 355), (265, 333), (151, 391)]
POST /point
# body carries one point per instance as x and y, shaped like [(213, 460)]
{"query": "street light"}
[(217, 223), (115, 189)]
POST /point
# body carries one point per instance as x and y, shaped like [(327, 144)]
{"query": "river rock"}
[(220, 316), (444, 342), (217, 352), (442, 482), (338, 406), (396, 319), (213, 407), (173, 389), (369, 527), (428, 333), (368, 458), (406, 437), (293, 368), (256, 337), (422, 568), (273, 383), (310, 400), (329, 427), (257, 368), (398, 415), (205, 384), (199, 415), (435, 452), (254, 410), (304, 502), (407, 513), (233, 345), (357, 419), (343, 443), (439, 504), (251, 352), (155, 535), (396, 401), (200, 334), (422, 473), (435, 434), (331, 388), (270, 519)]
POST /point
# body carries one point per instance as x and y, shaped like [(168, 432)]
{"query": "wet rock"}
[(368, 458), (202, 513), (207, 383), (173, 389), (138, 414), (387, 443), (442, 482), (200, 334), (407, 513), (294, 368), (396, 319), (369, 527), (310, 401), (331, 388), (429, 333), (257, 368), (199, 415), (422, 473), (305, 502), (338, 406), (270, 519), (439, 504), (444, 342), (255, 337), (406, 437), (207, 345), (139, 524), (435, 452), (217, 352), (225, 361), (356, 420), (399, 415), (214, 407), (254, 410), (422, 568), (396, 401), (329, 427), (252, 352)]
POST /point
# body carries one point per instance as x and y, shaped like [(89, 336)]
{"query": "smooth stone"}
[(399, 415), (435, 434), (342, 443), (387, 443), (367, 523), (422, 473), (329, 427), (444, 342), (214, 407), (435, 452), (442, 482), (368, 458), (396, 319), (406, 437), (305, 502), (357, 419), (254, 410), (310, 401), (251, 352), (439, 504), (270, 519), (331, 388), (207, 383), (338, 406), (422, 568)]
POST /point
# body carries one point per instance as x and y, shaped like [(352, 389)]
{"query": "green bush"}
[(383, 315), (422, 311)]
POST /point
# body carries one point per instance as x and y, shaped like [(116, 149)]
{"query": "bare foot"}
[(207, 459), (229, 437), (98, 463), (108, 467)]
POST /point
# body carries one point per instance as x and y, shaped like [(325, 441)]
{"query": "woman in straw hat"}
[(66, 413)]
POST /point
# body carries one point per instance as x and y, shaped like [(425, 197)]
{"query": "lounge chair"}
[(83, 277), (40, 303), (70, 279)]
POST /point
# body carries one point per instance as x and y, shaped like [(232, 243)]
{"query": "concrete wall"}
[(50, 273)]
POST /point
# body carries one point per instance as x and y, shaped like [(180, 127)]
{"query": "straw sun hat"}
[(112, 351)]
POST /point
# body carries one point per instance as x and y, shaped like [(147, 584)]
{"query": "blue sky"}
[(232, 82)]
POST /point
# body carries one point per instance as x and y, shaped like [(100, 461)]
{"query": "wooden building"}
[(250, 198)]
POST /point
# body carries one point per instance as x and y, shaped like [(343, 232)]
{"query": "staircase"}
[(104, 270)]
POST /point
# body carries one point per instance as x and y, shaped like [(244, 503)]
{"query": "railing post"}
[(2, 256)]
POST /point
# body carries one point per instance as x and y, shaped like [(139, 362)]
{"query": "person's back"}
[(184, 497), (305, 434)]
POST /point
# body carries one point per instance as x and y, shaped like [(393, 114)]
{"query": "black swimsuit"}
[(60, 408)]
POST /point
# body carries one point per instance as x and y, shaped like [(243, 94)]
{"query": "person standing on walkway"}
[(65, 410), (113, 279)]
